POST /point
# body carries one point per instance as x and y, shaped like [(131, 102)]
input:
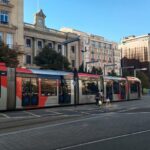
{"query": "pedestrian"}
[(97, 97), (101, 97)]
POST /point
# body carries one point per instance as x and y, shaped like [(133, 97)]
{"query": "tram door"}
[(123, 90), (139, 90), (109, 91), (29, 92), (65, 92)]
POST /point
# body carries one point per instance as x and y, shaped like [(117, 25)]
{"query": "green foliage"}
[(50, 59), (112, 73), (8, 56), (96, 70), (144, 79), (81, 68)]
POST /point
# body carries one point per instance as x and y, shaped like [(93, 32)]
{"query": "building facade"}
[(29, 39), (98, 52), (137, 47), (11, 24), (37, 35)]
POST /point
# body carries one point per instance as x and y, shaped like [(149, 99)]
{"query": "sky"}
[(112, 19)]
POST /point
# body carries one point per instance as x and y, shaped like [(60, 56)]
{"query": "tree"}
[(8, 56), (96, 70), (81, 68), (50, 59), (112, 73), (144, 79)]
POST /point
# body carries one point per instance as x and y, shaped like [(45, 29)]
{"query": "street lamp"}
[(135, 70), (108, 66)]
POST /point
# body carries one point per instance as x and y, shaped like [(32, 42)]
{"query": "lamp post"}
[(108, 66), (140, 69)]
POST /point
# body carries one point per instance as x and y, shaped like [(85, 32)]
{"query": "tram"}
[(22, 88), (120, 89), (35, 88)]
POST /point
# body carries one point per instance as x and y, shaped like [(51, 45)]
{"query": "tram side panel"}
[(134, 90), (88, 90), (3, 92), (35, 93), (115, 89), (43, 92)]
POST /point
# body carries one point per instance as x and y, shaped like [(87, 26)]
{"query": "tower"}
[(39, 19)]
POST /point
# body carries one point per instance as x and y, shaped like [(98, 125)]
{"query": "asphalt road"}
[(119, 126)]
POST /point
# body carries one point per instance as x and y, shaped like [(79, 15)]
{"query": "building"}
[(29, 39), (37, 35), (137, 47), (97, 51), (11, 24)]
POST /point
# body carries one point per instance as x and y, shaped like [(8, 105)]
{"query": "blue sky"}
[(112, 19)]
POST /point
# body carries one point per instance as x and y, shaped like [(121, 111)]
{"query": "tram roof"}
[(114, 78), (133, 79), (50, 72)]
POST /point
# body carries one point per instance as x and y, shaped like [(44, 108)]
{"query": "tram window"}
[(26, 85), (34, 87), (116, 87), (65, 87), (48, 87), (134, 88), (89, 87)]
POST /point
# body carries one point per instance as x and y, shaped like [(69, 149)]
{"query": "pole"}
[(134, 72), (121, 72), (104, 69)]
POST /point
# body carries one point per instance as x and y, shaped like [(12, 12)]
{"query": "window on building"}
[(4, 1), (4, 17), (40, 46), (48, 87), (50, 45), (59, 48), (28, 59), (28, 42), (73, 49), (9, 40), (73, 63)]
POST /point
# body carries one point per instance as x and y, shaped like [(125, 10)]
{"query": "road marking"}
[(6, 116), (30, 113), (103, 140), (55, 112), (133, 113), (53, 125)]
